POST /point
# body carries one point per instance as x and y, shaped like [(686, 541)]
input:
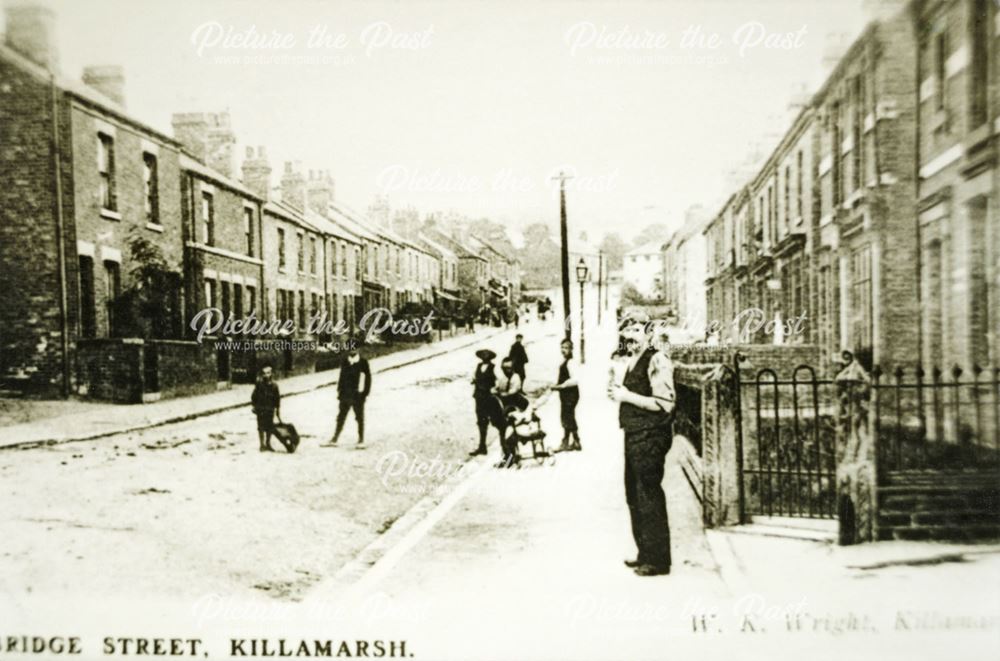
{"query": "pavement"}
[(81, 421), (529, 563)]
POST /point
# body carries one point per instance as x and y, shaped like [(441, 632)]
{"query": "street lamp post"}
[(581, 277)]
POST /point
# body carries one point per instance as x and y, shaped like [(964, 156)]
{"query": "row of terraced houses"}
[(878, 213), (94, 201)]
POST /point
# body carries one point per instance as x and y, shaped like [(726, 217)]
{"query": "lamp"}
[(581, 277)]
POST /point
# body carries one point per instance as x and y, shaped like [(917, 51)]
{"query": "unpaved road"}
[(192, 508)]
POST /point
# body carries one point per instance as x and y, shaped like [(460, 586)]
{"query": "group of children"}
[(499, 397), (493, 395)]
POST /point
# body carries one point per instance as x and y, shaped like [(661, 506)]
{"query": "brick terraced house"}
[(826, 227), (959, 179), (89, 194), (115, 235)]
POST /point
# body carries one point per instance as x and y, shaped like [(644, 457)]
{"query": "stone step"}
[(922, 502), (892, 519), (939, 488), (797, 522), (942, 532), (986, 478), (787, 527)]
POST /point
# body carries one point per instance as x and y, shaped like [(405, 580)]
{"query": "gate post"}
[(855, 455), (720, 417)]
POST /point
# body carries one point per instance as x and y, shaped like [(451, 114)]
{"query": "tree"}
[(614, 249), (539, 257), (651, 233), (149, 307), (631, 296)]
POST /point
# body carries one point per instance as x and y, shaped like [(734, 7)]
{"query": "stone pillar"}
[(720, 429), (855, 454)]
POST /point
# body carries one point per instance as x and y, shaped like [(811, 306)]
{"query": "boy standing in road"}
[(353, 386), (569, 395), (266, 403)]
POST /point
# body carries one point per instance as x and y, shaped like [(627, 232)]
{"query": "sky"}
[(474, 106)]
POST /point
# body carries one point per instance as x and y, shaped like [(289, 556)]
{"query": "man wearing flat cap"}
[(646, 403)]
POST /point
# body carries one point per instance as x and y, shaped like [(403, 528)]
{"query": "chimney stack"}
[(835, 45), (799, 99), (320, 190), (109, 80), (31, 32), (293, 186), (208, 136), (880, 10), (257, 172)]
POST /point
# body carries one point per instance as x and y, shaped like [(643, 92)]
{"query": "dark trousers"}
[(487, 413), (645, 455), (358, 404)]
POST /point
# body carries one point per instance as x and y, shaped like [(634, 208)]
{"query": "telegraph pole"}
[(564, 240), (600, 272)]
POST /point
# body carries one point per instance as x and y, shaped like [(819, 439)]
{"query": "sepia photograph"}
[(494, 330)]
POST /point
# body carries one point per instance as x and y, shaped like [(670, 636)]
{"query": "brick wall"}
[(30, 316), (894, 211), (110, 369), (126, 370), (184, 368)]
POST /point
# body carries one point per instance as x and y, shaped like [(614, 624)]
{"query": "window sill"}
[(110, 215), (154, 227)]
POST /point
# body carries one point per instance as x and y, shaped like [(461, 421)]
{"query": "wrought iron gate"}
[(787, 444)]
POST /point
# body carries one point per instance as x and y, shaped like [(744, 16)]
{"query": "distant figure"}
[(266, 404), (569, 395), (518, 356), (353, 386)]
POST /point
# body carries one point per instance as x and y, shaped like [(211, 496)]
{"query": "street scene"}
[(538, 331)]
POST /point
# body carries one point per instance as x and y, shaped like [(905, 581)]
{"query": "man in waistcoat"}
[(645, 414)]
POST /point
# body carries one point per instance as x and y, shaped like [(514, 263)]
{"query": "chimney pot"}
[(206, 139), (109, 80), (31, 32), (257, 174), (293, 188)]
